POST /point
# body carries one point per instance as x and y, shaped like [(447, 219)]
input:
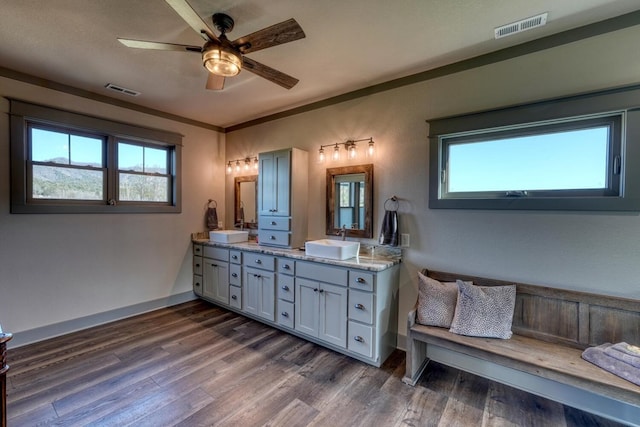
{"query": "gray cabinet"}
[(258, 287), (215, 274), (321, 311), (348, 309), (282, 198)]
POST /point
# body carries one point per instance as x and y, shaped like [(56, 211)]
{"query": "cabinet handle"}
[(234, 274), (321, 290), (234, 297), (274, 223), (285, 314), (315, 289), (359, 306), (197, 265), (258, 261), (361, 280), (214, 265), (257, 276), (358, 338), (286, 267), (285, 288), (197, 284), (272, 237), (234, 257)]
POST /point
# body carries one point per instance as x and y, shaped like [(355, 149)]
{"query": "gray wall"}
[(594, 252), (63, 268)]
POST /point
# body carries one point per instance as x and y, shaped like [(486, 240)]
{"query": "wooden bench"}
[(551, 328)]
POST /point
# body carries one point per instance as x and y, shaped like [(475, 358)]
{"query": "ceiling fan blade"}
[(215, 82), (190, 16), (268, 73), (274, 35), (141, 44)]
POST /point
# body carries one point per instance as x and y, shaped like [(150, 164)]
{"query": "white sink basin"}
[(228, 236), (332, 249)]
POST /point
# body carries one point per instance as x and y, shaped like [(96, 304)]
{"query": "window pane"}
[(568, 160), (52, 182), (130, 157), (155, 160), (49, 146), (143, 188), (86, 151)]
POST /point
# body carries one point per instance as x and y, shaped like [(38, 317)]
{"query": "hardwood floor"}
[(195, 364)]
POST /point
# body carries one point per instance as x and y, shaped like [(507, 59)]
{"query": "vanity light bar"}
[(247, 164), (349, 145)]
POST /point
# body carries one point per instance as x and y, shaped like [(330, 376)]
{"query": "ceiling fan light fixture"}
[(221, 62)]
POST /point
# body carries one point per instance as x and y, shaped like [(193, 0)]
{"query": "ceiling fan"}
[(224, 58)]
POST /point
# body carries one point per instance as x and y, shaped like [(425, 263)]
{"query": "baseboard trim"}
[(50, 331)]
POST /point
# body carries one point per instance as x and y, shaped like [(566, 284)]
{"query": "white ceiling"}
[(349, 45)]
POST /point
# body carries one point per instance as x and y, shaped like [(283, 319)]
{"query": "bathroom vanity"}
[(350, 306)]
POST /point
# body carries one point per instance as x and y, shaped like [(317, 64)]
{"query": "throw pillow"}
[(436, 301), (484, 311)]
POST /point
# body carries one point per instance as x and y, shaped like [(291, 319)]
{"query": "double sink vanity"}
[(347, 305), (331, 292)]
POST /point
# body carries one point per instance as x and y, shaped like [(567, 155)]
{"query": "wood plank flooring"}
[(196, 364)]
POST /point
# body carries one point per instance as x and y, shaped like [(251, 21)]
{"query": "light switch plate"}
[(405, 240)]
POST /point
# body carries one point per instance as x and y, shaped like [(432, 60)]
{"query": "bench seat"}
[(551, 329)]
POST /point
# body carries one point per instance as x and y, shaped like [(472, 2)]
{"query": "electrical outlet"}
[(405, 240), (220, 225)]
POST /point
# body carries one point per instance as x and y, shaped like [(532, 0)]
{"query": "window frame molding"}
[(613, 101), (22, 113)]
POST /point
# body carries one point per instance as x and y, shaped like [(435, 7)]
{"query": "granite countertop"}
[(383, 258)]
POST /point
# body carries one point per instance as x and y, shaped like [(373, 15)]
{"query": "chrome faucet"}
[(342, 232)]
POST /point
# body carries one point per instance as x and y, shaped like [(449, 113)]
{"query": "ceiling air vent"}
[(520, 26), (121, 89)]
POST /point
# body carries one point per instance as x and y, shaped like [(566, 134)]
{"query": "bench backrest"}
[(578, 319)]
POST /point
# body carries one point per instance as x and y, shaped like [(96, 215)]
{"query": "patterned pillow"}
[(484, 311), (436, 301)]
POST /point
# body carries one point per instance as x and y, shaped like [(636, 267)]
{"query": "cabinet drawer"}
[(322, 273), (275, 223), (286, 266), (361, 306), (286, 288), (361, 280), (264, 262), (274, 238), (216, 253), (235, 257), (197, 249), (197, 285), (285, 313), (235, 297), (235, 274), (197, 265), (360, 339)]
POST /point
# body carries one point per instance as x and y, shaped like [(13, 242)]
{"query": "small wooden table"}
[(4, 338)]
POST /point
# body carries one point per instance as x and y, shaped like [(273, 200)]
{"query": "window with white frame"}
[(65, 162), (576, 153)]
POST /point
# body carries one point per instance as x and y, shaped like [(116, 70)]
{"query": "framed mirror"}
[(350, 200), (246, 201)]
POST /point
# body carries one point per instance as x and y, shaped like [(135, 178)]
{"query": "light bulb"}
[(246, 165), (321, 156), (370, 149), (352, 151), (229, 168), (336, 153), (237, 166), (255, 163)]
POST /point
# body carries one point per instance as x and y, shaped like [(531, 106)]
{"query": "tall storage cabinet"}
[(282, 198)]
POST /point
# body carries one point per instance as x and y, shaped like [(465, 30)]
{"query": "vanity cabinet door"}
[(321, 311), (274, 184), (259, 296), (333, 314), (307, 303), (216, 280)]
